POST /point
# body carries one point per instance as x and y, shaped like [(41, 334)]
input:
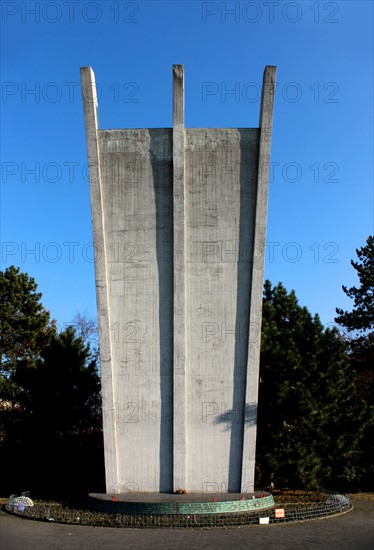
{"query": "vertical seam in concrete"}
[(98, 222), (255, 313), (179, 327)]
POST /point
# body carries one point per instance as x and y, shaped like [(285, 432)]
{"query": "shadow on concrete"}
[(248, 191), (160, 149), (233, 416)]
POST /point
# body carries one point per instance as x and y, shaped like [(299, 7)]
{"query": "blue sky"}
[(321, 188)]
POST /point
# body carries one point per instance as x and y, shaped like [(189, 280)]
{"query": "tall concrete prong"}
[(98, 222), (255, 314), (179, 381)]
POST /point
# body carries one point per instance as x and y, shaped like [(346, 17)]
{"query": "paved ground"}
[(351, 531)]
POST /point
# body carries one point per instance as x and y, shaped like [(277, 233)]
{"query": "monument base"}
[(180, 504)]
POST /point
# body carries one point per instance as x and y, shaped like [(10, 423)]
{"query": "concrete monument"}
[(179, 220)]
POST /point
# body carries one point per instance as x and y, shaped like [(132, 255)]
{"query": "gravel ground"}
[(351, 531)]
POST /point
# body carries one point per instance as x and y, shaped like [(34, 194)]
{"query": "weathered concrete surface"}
[(179, 218), (221, 174), (179, 291), (257, 280), (99, 234), (138, 209)]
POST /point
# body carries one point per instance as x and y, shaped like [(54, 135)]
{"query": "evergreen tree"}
[(50, 405), (360, 326), (308, 419), (360, 321), (62, 393), (25, 326), (57, 424), (24, 323), (361, 318)]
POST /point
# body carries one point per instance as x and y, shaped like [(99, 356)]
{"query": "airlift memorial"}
[(179, 222)]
